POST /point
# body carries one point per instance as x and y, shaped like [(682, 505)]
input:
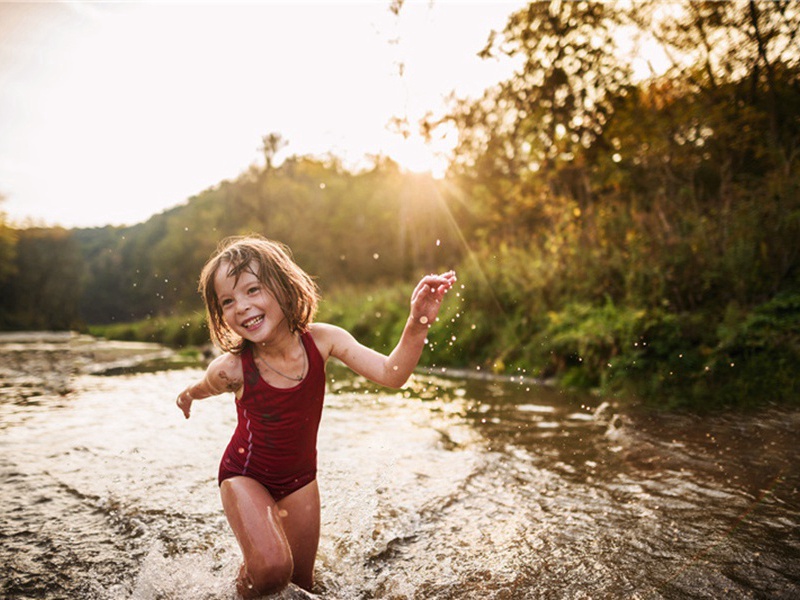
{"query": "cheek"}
[(226, 315), (271, 300)]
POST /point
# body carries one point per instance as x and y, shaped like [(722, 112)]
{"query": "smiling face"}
[(241, 260), (249, 307)]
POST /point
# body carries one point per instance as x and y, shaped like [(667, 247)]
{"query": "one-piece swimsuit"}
[(275, 441)]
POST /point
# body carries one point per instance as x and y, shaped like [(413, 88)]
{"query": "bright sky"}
[(112, 112)]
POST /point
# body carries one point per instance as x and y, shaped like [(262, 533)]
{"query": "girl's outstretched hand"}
[(184, 402), (427, 297)]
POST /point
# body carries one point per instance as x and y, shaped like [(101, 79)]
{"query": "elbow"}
[(395, 380)]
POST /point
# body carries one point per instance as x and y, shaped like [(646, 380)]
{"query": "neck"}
[(283, 361), (281, 346)]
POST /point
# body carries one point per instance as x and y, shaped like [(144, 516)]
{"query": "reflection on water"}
[(453, 488)]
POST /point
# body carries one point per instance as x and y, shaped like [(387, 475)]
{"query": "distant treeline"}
[(640, 236), (343, 228)]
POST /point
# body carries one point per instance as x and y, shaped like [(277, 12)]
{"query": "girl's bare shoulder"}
[(325, 336), (225, 372)]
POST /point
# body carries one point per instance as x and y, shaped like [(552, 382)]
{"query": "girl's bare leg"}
[(299, 513), (253, 516)]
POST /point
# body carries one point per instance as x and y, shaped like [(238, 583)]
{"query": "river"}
[(456, 487)]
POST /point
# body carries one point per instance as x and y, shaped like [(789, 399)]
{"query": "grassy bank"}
[(700, 360), (697, 360), (176, 332)]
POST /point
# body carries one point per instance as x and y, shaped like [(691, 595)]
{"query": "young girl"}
[(260, 308)]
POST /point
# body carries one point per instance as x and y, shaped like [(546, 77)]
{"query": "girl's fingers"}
[(434, 284), (436, 281)]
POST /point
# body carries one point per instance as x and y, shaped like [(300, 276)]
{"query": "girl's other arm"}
[(395, 369), (224, 374)]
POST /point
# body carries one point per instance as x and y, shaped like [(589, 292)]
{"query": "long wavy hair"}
[(295, 291)]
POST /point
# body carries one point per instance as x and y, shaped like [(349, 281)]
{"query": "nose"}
[(242, 305)]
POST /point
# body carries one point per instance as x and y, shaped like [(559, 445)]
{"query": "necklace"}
[(290, 377)]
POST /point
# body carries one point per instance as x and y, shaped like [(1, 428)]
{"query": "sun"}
[(417, 155)]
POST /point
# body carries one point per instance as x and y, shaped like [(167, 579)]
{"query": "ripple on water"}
[(447, 489)]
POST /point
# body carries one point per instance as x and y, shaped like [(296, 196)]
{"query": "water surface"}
[(456, 487)]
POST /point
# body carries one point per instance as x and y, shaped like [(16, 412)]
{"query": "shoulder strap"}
[(314, 357), (249, 368)]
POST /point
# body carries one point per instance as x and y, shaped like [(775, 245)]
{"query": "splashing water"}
[(452, 488)]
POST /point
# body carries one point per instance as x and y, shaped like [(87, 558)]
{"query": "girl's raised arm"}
[(224, 374), (395, 369)]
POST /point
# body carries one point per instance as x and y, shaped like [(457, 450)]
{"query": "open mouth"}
[(254, 322)]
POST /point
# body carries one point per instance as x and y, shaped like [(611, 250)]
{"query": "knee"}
[(266, 577)]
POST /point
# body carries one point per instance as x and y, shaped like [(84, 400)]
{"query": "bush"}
[(757, 359)]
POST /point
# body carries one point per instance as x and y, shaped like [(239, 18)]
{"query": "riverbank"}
[(667, 361)]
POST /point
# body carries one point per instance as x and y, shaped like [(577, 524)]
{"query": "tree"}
[(45, 289), (8, 239), (738, 61), (537, 126), (271, 144), (678, 191)]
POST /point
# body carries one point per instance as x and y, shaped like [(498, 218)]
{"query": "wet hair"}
[(272, 262)]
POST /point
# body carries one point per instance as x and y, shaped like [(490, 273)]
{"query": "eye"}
[(253, 289), (226, 302)]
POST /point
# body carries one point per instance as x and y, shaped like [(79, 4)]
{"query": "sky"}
[(112, 112)]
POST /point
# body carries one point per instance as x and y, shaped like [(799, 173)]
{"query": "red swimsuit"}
[(275, 441)]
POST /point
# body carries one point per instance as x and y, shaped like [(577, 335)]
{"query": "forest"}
[(634, 235)]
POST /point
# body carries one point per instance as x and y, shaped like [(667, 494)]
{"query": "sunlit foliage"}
[(615, 213)]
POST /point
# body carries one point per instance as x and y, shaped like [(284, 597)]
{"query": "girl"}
[(260, 307)]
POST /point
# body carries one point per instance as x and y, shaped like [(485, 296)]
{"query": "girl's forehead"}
[(226, 279)]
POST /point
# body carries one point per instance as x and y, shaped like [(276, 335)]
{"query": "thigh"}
[(299, 512), (253, 516)]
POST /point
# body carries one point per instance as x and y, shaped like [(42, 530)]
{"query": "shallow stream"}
[(456, 487)]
